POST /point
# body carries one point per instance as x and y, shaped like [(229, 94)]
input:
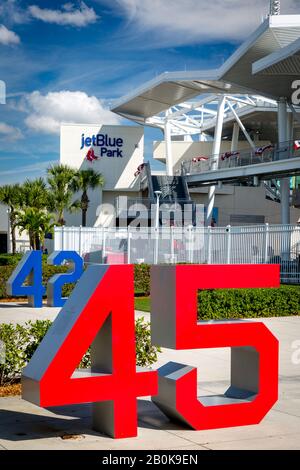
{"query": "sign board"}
[(114, 151)]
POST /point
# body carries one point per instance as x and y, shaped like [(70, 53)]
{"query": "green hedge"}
[(21, 341), (8, 259), (141, 276), (241, 303), (5, 272), (48, 271), (142, 279), (248, 303), (212, 304)]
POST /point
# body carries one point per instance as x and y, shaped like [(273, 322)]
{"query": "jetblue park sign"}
[(109, 146)]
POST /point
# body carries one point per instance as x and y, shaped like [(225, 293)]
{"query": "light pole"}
[(8, 231), (157, 194)]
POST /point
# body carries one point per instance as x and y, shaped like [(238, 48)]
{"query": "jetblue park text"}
[(109, 146)]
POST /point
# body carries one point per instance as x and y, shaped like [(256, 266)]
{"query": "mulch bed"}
[(12, 390)]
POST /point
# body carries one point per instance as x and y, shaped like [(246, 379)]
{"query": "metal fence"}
[(268, 153), (279, 244)]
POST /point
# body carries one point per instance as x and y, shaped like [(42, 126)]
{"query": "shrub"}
[(8, 259), (5, 272), (48, 271), (15, 339), (36, 332), (142, 279), (248, 303), (141, 275), (146, 353), (21, 341)]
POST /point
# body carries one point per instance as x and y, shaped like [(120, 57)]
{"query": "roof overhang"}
[(234, 77), (284, 64), (169, 89)]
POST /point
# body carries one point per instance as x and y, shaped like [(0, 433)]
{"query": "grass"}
[(254, 303), (142, 303)]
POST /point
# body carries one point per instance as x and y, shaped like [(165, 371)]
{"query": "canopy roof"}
[(285, 64), (236, 76)]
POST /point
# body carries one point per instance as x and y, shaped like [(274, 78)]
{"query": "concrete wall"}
[(244, 201), (3, 219), (22, 239)]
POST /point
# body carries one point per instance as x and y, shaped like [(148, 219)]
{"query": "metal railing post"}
[(128, 246), (79, 239), (172, 245), (191, 244), (103, 244), (228, 231), (62, 237), (209, 245), (267, 236)]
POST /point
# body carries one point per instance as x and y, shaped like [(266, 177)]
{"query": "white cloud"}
[(28, 171), (8, 37), (9, 133), (180, 22), (12, 12), (69, 15), (47, 112)]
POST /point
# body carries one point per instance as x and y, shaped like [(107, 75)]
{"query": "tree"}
[(60, 179), (36, 223), (34, 193), (83, 181), (10, 196), (33, 215)]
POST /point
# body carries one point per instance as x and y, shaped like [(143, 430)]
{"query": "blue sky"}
[(67, 61)]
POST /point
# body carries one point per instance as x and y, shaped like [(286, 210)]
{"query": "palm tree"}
[(9, 195), (60, 181), (83, 181), (33, 215), (36, 223), (34, 193)]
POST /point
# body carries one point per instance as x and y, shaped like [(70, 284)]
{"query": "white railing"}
[(279, 244)]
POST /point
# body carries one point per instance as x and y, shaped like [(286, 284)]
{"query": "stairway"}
[(173, 188)]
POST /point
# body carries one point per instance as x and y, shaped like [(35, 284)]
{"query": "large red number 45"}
[(100, 313)]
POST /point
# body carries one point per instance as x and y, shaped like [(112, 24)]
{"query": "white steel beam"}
[(216, 151), (285, 182), (235, 137), (168, 145), (242, 126)]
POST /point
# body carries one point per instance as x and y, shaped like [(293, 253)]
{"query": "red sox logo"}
[(90, 156)]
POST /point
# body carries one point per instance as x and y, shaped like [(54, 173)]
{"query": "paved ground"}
[(11, 312), (25, 426)]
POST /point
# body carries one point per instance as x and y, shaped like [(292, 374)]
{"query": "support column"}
[(290, 126), (235, 137), (216, 152), (168, 145), (285, 182)]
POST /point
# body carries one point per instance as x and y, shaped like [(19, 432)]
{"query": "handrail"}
[(267, 153)]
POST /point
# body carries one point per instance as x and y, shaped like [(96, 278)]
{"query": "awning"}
[(234, 77)]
